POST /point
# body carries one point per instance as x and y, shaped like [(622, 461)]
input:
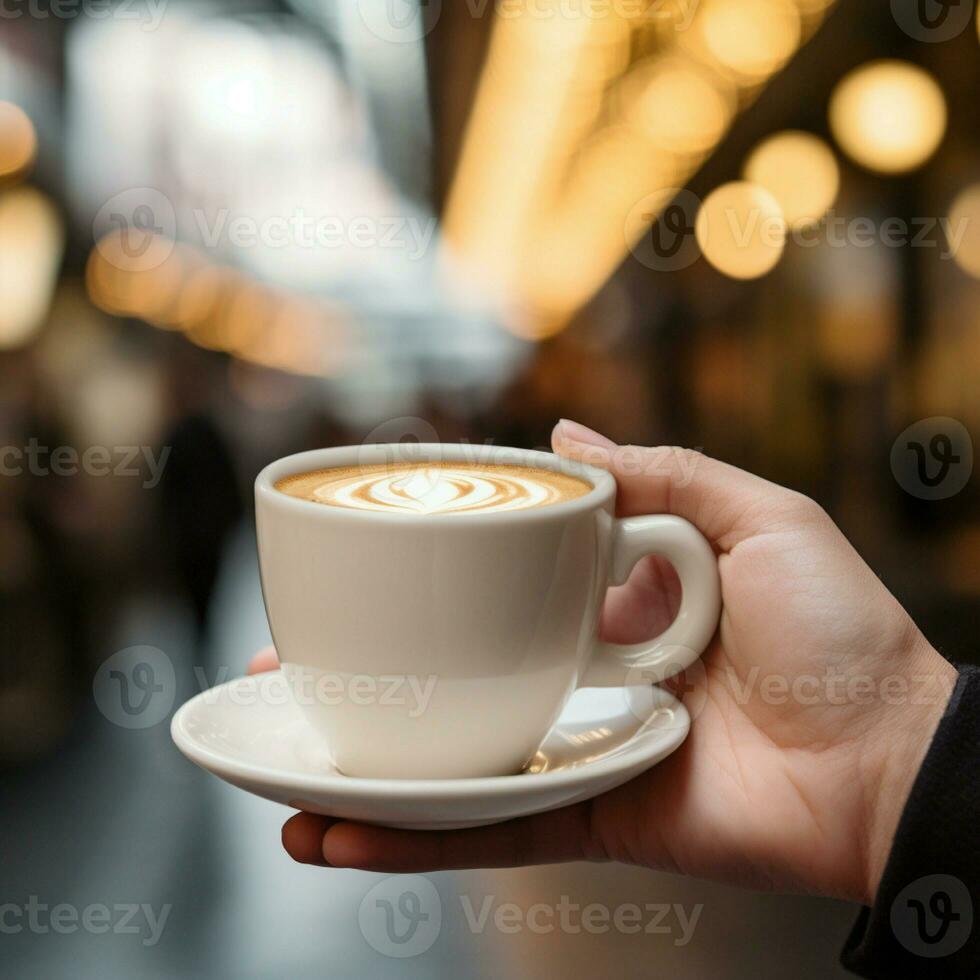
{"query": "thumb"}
[(725, 503)]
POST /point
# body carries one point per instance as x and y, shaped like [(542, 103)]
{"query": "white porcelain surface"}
[(251, 734), (494, 615)]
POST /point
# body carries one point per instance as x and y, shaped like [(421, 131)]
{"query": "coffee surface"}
[(435, 487)]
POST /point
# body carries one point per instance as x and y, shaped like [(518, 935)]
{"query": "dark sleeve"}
[(923, 923)]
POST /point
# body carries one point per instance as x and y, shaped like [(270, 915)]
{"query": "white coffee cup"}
[(446, 645)]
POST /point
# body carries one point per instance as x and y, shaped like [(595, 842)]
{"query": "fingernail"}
[(568, 431)]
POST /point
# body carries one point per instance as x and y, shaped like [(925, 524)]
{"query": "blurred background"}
[(232, 231)]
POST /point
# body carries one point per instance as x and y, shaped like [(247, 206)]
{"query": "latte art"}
[(435, 488)]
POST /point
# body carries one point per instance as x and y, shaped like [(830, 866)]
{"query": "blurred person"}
[(200, 497), (860, 798)]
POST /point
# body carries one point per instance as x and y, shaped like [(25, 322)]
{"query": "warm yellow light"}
[(964, 230), (741, 230), (126, 284), (889, 116), (751, 38), (855, 337), (678, 105), (539, 92), (199, 295), (248, 316), (31, 240), (800, 172), (135, 250), (18, 141), (596, 148), (288, 340), (612, 196)]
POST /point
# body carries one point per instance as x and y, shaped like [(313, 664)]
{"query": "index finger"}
[(725, 503), (545, 838), (265, 660)]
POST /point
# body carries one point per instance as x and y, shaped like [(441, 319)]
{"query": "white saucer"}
[(249, 733)]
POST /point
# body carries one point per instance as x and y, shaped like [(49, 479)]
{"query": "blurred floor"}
[(154, 829)]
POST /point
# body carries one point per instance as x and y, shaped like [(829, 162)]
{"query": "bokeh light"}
[(18, 141), (31, 242), (751, 38), (199, 295), (889, 116), (127, 282), (964, 224), (175, 286), (678, 105), (741, 230), (800, 171)]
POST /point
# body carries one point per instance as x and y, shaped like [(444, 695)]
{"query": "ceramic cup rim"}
[(602, 482)]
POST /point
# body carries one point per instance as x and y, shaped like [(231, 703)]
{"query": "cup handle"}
[(680, 542)]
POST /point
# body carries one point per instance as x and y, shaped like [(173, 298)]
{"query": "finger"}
[(645, 606), (725, 503), (546, 838), (266, 659), (302, 837)]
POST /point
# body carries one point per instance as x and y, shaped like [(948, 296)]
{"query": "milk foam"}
[(435, 488)]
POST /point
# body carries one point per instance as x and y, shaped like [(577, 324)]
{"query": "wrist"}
[(899, 744)]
